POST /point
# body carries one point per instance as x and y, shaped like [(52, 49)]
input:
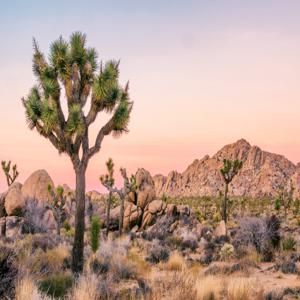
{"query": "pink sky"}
[(196, 87)]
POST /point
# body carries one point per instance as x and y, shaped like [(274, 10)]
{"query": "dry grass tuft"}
[(27, 290), (175, 263), (239, 289), (48, 262), (208, 288), (86, 288)]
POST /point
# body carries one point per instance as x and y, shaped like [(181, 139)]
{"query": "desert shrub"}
[(158, 252), (99, 266), (121, 268), (56, 285), (67, 226), (289, 244), (19, 212), (263, 234), (110, 247), (288, 267), (189, 240), (174, 241), (239, 289), (175, 262), (33, 214), (277, 204), (47, 262), (208, 288), (95, 231), (8, 271), (226, 251), (217, 217)]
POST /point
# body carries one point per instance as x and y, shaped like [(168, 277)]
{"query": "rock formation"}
[(36, 186), (261, 175)]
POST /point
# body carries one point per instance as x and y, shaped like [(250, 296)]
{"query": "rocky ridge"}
[(261, 175)]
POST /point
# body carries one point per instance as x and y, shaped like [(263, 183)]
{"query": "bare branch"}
[(105, 130)]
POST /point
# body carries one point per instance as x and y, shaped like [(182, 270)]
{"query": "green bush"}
[(277, 204), (95, 231), (67, 225), (289, 244), (56, 286)]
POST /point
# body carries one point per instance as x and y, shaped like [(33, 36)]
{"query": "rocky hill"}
[(261, 175)]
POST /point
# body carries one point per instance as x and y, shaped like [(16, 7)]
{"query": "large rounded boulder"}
[(36, 186), (146, 188), (14, 200)]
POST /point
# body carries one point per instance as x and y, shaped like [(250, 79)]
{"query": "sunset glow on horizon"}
[(201, 75)]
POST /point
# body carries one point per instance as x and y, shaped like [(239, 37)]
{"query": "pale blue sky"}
[(202, 74)]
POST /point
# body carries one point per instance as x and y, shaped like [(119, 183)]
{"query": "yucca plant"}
[(289, 244), (72, 73), (228, 172)]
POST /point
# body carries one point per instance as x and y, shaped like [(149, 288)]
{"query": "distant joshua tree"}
[(57, 205), (72, 72), (10, 177), (108, 181), (229, 170), (285, 197), (129, 185)]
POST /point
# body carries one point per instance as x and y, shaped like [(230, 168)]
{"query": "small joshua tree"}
[(285, 197), (129, 185), (229, 170), (10, 177), (108, 181), (57, 205), (95, 231)]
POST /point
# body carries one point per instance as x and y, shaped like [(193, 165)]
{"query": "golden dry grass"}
[(48, 262), (208, 288), (86, 288), (239, 289), (176, 262), (27, 290)]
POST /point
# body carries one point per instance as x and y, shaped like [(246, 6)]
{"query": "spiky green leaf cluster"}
[(108, 179), (73, 67), (75, 121), (230, 169)]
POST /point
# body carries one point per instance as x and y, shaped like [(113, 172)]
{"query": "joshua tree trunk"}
[(77, 255), (58, 228), (121, 221), (224, 212), (108, 213)]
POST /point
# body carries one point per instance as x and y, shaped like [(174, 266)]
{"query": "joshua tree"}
[(72, 72), (57, 205), (129, 185), (108, 181), (285, 197), (10, 177), (229, 170)]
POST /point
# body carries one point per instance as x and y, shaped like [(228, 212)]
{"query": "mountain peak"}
[(261, 175)]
